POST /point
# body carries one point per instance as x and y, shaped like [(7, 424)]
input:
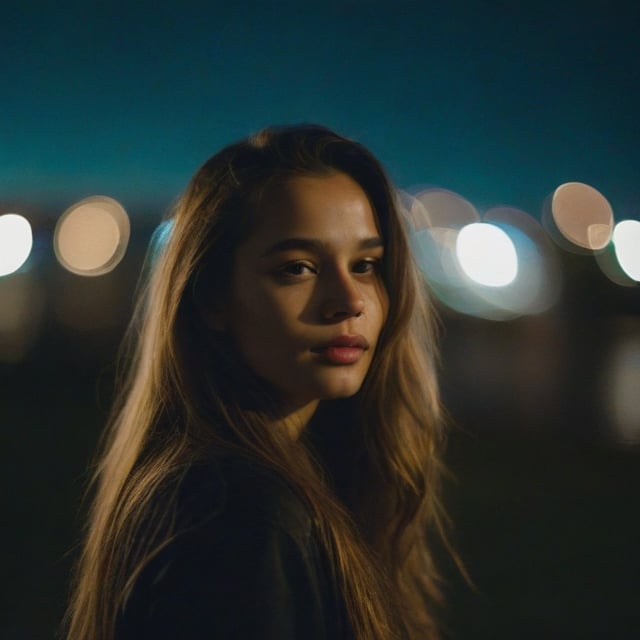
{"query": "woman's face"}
[(307, 300)]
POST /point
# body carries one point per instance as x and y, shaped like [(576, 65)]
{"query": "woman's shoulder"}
[(242, 562), (230, 488)]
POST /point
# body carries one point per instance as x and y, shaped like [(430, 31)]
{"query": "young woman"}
[(272, 468)]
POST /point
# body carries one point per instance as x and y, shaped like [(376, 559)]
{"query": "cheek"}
[(260, 325)]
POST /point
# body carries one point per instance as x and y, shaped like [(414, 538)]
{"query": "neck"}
[(295, 418)]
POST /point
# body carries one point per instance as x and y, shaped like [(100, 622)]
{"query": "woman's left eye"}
[(367, 266)]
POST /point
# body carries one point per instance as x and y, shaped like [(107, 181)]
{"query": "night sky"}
[(494, 100)]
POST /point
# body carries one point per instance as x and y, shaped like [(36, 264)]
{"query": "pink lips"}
[(343, 349)]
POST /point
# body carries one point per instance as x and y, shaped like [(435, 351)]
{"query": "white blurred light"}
[(487, 255), (91, 236), (626, 242), (582, 215), (16, 241), (521, 277), (537, 285)]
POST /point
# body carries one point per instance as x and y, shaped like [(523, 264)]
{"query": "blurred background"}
[(511, 131)]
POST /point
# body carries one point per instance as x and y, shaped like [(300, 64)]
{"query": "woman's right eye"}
[(296, 269)]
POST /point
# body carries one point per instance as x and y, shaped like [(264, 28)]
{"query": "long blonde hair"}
[(182, 401)]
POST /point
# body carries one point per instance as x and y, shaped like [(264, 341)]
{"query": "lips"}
[(343, 349)]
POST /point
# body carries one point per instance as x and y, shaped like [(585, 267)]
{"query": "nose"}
[(343, 298)]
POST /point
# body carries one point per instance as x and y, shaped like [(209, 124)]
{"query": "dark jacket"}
[(246, 563)]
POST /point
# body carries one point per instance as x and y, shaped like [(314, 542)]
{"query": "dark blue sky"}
[(498, 102)]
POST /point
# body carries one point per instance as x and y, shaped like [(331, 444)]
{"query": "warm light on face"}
[(626, 242), (91, 236), (16, 241), (309, 274), (487, 254)]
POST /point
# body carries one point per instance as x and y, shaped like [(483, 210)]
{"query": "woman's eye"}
[(369, 265), (294, 269)]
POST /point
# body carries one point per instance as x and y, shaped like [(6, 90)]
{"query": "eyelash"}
[(287, 270), (373, 264)]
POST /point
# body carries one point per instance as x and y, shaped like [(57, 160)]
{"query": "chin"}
[(335, 386), (343, 390)]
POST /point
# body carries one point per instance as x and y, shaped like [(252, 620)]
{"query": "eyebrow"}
[(308, 244)]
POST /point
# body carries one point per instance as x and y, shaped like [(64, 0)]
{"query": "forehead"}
[(332, 208)]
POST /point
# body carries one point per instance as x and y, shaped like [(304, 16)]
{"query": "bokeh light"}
[(582, 215), (442, 209), (16, 241), (537, 285), (435, 252), (412, 210), (622, 383), (487, 254), (513, 272), (626, 242), (436, 216), (91, 236)]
